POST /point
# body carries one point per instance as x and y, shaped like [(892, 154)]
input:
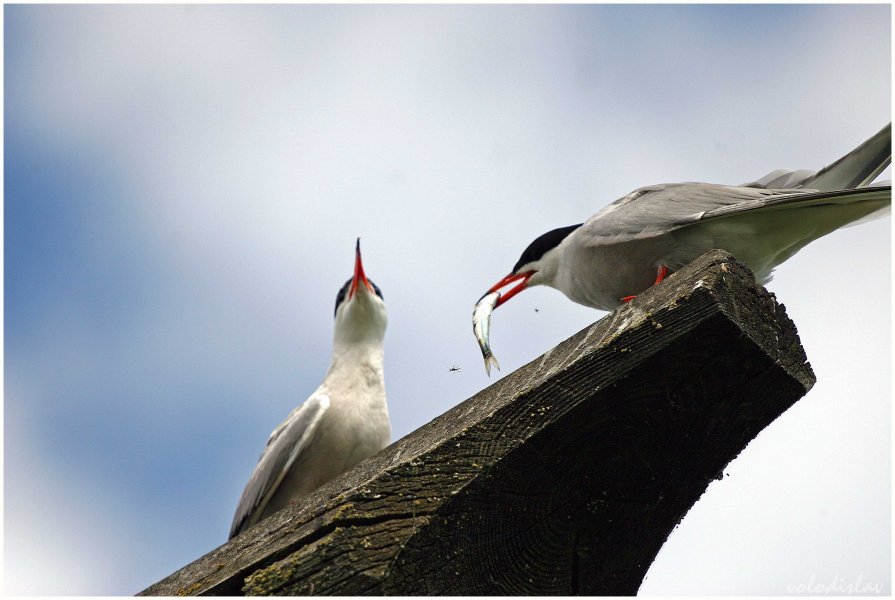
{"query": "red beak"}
[(512, 291), (359, 276)]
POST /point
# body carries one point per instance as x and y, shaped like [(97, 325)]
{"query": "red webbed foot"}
[(661, 274)]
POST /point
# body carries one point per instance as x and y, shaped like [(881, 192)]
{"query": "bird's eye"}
[(377, 290), (340, 297)]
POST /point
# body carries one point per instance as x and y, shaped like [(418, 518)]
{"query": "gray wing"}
[(284, 445), (856, 169), (655, 210)]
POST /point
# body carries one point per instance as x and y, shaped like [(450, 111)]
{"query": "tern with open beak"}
[(343, 422), (638, 240)]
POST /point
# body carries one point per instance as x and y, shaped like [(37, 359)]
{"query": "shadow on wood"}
[(565, 477)]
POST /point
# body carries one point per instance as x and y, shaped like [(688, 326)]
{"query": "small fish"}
[(481, 326)]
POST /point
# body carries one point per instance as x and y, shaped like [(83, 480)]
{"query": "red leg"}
[(661, 274)]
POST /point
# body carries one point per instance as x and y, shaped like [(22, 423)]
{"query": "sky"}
[(183, 188)]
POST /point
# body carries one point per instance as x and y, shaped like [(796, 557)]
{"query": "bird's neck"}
[(551, 267), (364, 355)]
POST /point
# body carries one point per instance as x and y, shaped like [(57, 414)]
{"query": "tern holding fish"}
[(638, 240)]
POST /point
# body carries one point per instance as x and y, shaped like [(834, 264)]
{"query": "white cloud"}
[(64, 532)]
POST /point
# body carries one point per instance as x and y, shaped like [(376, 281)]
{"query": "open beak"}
[(522, 278), (359, 276)]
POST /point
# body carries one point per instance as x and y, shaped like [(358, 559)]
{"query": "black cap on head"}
[(543, 244), (343, 293)]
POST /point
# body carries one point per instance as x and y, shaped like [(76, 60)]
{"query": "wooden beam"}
[(564, 477)]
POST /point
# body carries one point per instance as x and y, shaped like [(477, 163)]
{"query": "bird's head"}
[(360, 310), (538, 264)]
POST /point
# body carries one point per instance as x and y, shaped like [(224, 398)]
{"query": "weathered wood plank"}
[(565, 477)]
